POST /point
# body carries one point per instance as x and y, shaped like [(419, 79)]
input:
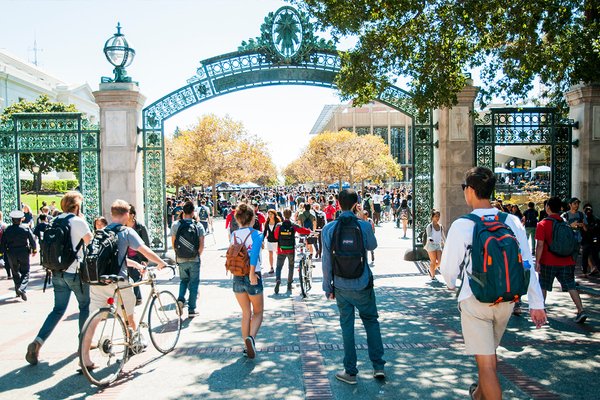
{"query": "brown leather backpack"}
[(237, 260)]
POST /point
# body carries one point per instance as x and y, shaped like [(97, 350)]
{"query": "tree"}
[(218, 149), (432, 42), (45, 161), (343, 155)]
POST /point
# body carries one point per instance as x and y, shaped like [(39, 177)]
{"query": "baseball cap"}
[(16, 214)]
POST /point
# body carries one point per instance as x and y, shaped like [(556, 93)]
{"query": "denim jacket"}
[(341, 283)]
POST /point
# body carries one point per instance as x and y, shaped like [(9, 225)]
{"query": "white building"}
[(20, 80)]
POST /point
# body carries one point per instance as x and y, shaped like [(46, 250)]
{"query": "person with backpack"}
[(136, 256), (75, 232), (243, 261), (308, 220), (404, 217), (556, 250), (187, 238), (269, 236), (231, 224), (204, 215), (259, 218), (367, 204), (486, 308), (321, 220), (18, 243), (347, 279), (285, 234), (530, 220), (576, 219)]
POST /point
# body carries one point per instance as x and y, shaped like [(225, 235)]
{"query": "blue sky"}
[(170, 38)]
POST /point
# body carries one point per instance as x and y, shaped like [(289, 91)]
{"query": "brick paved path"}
[(300, 345)]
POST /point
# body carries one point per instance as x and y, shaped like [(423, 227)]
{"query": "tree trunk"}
[(340, 184), (213, 183)]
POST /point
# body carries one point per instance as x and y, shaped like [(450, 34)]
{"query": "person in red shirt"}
[(330, 211), (285, 234), (550, 265)]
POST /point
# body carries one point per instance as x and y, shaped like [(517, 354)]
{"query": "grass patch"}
[(29, 199)]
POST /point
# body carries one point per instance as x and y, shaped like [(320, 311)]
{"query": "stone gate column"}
[(121, 164), (454, 155), (584, 107)]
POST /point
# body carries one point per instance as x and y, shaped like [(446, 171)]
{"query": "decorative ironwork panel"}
[(484, 156), (50, 132), (422, 186), (561, 171), (155, 198), (9, 183), (89, 162)]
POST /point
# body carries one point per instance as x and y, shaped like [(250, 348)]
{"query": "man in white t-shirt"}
[(68, 281), (483, 324)]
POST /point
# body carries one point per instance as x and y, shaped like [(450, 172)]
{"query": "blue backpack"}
[(498, 274)]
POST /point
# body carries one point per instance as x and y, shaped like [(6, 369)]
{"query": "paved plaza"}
[(300, 343)]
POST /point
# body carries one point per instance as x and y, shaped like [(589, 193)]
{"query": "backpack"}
[(203, 213), (187, 240), (103, 255), (57, 247), (564, 243), (256, 223), (530, 217), (237, 260), (367, 205), (498, 274), (308, 222), (233, 225), (321, 221), (348, 252), (286, 239)]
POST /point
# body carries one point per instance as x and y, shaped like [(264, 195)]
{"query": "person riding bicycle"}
[(285, 234)]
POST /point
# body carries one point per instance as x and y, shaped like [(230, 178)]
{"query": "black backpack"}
[(564, 243), (57, 247), (102, 256), (348, 252), (233, 225), (187, 239), (203, 213), (367, 204), (286, 239), (321, 221)]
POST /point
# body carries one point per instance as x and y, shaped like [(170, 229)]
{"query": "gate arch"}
[(287, 52)]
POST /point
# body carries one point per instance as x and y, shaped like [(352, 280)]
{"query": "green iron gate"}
[(50, 133), (528, 126), (287, 52)]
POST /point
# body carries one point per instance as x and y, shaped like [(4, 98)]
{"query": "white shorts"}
[(100, 294), (271, 246)]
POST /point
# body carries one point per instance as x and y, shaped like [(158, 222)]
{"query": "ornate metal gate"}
[(287, 52), (50, 133), (528, 126)]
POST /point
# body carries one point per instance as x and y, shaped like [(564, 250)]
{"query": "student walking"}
[(248, 288), (187, 238), (483, 320), (269, 236), (67, 281), (347, 279), (434, 243), (285, 234), (550, 263)]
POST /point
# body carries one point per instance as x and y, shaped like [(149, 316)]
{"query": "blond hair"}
[(70, 201), (119, 208)]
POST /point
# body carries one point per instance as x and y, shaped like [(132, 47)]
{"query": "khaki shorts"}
[(482, 325), (100, 294)]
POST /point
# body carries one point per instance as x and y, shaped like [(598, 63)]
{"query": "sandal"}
[(472, 390)]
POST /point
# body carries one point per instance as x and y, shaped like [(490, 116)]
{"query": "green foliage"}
[(41, 105), (432, 42), (59, 185)]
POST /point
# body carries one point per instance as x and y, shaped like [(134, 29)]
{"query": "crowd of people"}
[(340, 228)]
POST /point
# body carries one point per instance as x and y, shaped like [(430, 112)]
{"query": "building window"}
[(400, 151), (362, 130), (381, 131)]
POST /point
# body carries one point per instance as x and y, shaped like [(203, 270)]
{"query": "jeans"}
[(19, 265), (64, 283), (135, 276), (364, 301), (189, 279), (280, 261), (531, 236)]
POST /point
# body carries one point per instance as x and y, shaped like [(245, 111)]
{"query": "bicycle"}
[(113, 341), (305, 266)]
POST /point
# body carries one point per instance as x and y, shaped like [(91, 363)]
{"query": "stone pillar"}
[(454, 155), (584, 108), (121, 164)]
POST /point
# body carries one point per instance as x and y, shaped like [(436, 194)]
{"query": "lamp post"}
[(120, 55), (36, 170)]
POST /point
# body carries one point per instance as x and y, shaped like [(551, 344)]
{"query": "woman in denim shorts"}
[(249, 289)]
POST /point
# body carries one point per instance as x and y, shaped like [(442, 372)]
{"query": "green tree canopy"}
[(433, 42), (45, 161)]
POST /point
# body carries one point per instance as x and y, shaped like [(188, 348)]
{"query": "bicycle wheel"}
[(164, 321), (104, 338), (302, 278)]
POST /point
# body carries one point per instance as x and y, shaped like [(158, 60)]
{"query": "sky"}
[(170, 39)]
